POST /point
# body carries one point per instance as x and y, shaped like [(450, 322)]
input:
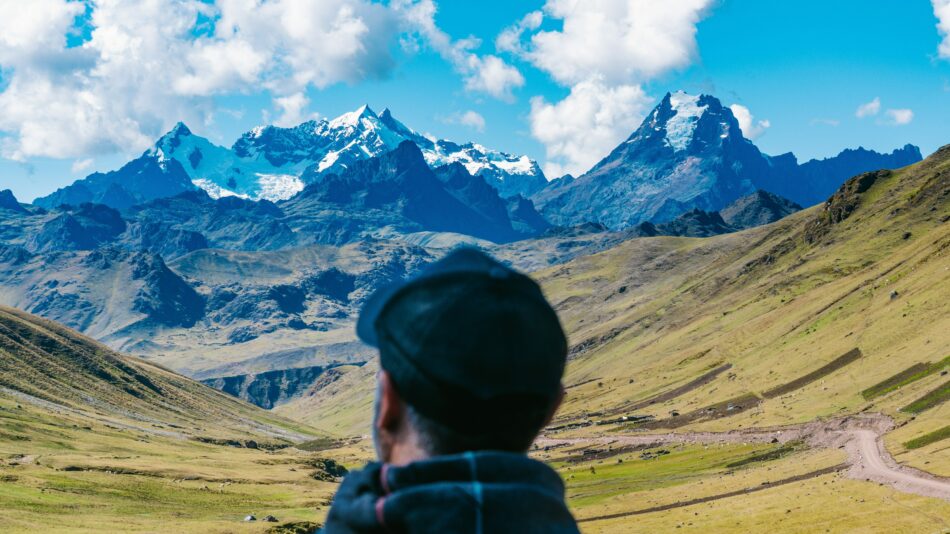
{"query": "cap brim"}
[(366, 324)]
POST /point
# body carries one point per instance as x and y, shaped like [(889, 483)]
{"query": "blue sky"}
[(73, 101)]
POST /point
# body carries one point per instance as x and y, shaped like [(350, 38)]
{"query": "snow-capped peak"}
[(353, 118), (680, 127)]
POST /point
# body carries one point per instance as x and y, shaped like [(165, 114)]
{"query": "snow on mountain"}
[(275, 163), (214, 190), (220, 172), (279, 186), (680, 127)]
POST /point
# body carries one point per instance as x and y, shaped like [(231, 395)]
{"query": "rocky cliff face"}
[(688, 153), (269, 389), (815, 180), (757, 209), (9, 202), (398, 190)]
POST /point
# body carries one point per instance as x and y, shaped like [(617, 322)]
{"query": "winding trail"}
[(871, 461), (861, 436)]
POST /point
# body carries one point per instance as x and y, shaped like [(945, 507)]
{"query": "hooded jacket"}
[(469, 493)]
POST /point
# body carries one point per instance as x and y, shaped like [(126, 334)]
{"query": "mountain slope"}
[(813, 181), (270, 388), (690, 153), (40, 359), (93, 441), (761, 207), (866, 270), (398, 190), (151, 176), (748, 320), (9, 202)]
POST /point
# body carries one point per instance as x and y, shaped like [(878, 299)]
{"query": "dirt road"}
[(871, 461), (860, 435)]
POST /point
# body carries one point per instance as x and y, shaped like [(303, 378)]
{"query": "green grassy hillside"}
[(91, 440)]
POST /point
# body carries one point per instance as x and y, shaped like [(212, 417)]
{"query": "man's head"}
[(471, 354)]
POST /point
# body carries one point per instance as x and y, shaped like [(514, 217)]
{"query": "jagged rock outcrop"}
[(164, 296), (270, 388), (10, 203), (757, 209)]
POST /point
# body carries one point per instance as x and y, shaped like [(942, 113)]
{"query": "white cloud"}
[(35, 28), (509, 40), (583, 127), (145, 65), (487, 74), (218, 66), (825, 122), (605, 50), (618, 41), (490, 74), (470, 118), (751, 128), (871, 108), (899, 117), (81, 165), (942, 12), (293, 110)]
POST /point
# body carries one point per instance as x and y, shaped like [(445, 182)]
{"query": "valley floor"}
[(69, 472)]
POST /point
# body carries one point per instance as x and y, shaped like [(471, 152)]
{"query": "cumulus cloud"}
[(470, 118), (604, 51), (145, 65), (580, 129), (942, 12), (871, 108), (751, 128), (899, 117), (488, 74), (618, 41)]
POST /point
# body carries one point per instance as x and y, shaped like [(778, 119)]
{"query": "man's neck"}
[(406, 453)]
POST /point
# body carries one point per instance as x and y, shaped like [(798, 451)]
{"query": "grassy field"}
[(91, 440), (70, 473)]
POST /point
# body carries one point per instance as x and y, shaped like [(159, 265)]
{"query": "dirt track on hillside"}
[(859, 435)]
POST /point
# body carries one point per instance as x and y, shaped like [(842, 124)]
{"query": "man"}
[(471, 358)]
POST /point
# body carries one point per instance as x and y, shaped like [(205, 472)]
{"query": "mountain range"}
[(151, 259), (274, 163), (689, 153)]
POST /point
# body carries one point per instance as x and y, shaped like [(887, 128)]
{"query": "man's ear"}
[(557, 404), (391, 409)]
